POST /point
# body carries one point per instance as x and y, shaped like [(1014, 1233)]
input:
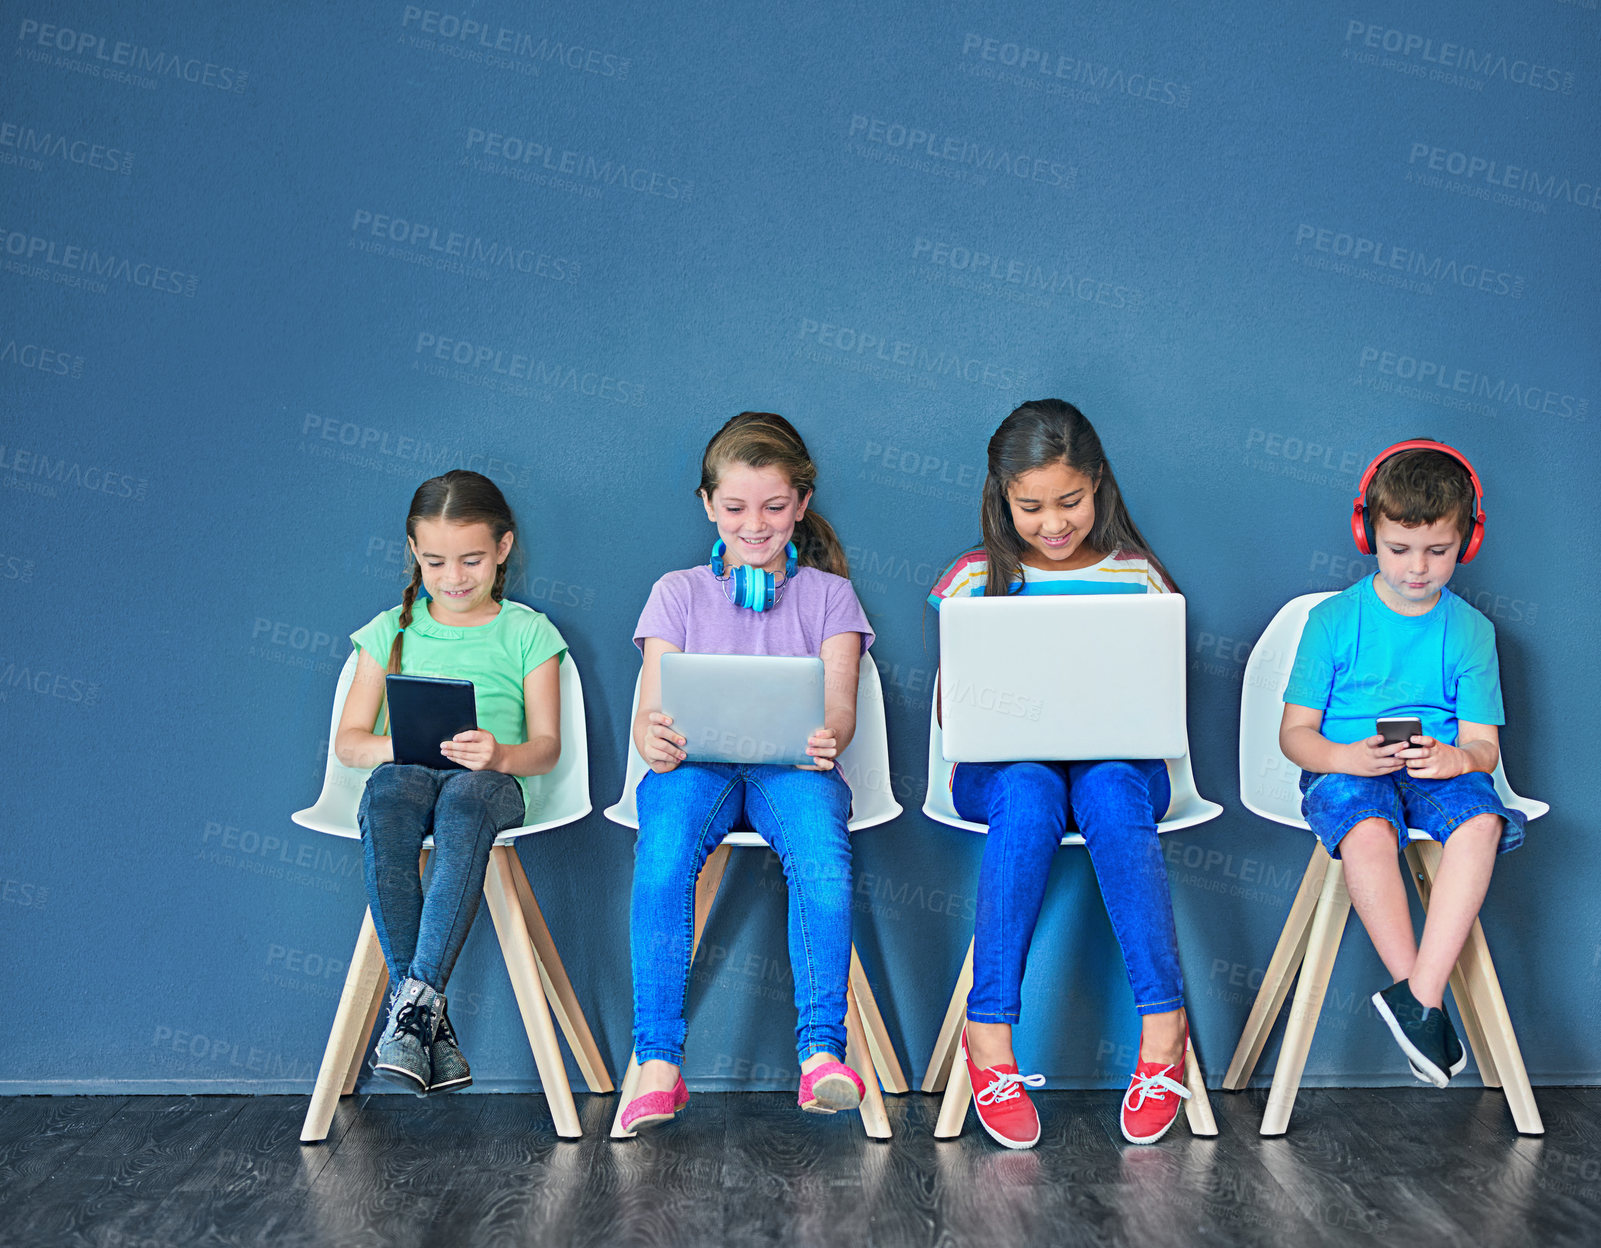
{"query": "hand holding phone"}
[(1398, 730)]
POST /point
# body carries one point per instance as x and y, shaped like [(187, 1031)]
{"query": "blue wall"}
[(266, 267)]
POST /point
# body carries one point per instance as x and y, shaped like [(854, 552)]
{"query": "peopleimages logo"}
[(1442, 377), (117, 59), (1378, 260), (491, 151), (36, 256), (917, 359), (32, 355), (439, 247), (1042, 65), (1474, 168), (482, 38), (22, 144), (1017, 273), (1443, 61), (958, 154), (496, 361)]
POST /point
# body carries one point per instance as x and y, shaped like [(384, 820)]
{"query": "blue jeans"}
[(421, 934), (683, 815), (1333, 803), (1115, 805)]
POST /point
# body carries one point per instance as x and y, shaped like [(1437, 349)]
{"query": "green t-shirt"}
[(495, 656)]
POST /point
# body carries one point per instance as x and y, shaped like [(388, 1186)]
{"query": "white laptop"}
[(739, 708), (1062, 677)]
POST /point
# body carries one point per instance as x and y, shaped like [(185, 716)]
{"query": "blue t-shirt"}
[(1359, 660)]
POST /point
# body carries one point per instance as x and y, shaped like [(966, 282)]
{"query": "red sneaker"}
[(1002, 1105), (1155, 1094)]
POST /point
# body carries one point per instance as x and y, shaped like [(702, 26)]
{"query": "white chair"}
[(537, 976), (865, 764), (1312, 933), (1186, 809)]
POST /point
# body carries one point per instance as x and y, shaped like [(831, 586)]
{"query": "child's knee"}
[(1031, 793), (1371, 837), (1485, 827)]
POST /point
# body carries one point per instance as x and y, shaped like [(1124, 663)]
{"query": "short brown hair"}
[(1421, 486)]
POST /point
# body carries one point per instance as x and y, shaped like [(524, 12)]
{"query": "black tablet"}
[(425, 710)]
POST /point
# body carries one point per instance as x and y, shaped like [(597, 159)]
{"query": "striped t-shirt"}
[(1126, 572)]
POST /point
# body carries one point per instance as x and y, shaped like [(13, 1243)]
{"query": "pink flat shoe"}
[(654, 1107), (833, 1086)]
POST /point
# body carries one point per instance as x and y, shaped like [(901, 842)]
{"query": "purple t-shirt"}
[(690, 609)]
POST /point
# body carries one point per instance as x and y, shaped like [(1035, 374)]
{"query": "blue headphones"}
[(755, 588)]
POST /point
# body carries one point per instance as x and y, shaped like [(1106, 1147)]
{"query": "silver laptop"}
[(1062, 676), (737, 708)]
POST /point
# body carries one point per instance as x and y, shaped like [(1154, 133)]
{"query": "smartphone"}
[(1394, 730)]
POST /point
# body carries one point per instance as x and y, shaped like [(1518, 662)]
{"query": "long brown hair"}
[(766, 440), (1041, 432), (458, 497)]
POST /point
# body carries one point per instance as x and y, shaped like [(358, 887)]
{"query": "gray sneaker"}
[(402, 1052), (450, 1069)]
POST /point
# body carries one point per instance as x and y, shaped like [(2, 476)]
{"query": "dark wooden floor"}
[(1395, 1166)]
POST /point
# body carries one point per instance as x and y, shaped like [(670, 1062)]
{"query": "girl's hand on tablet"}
[(662, 745), (822, 746), (476, 750)]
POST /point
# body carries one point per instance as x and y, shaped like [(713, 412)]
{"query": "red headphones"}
[(1362, 524)]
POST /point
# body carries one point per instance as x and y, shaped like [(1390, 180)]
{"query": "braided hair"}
[(459, 497)]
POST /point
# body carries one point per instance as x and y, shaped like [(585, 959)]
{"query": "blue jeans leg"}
[(683, 815), (396, 814), (1116, 806), (1025, 805), (803, 815), (421, 935), (471, 809)]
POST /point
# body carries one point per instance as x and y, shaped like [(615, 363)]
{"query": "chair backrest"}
[(1186, 809), (1269, 782), (865, 763), (561, 796)]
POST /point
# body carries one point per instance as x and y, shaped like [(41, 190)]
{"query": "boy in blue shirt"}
[(1400, 644)]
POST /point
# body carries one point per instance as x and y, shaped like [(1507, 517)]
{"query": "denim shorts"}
[(1334, 803)]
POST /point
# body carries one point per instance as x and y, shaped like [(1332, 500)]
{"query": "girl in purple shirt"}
[(756, 484)]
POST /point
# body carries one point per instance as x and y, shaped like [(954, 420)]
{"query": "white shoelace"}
[(1154, 1086), (1007, 1087)]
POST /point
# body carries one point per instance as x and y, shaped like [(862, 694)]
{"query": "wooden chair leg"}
[(518, 950), (374, 1009), (626, 1092), (879, 1046), (1198, 1109), (943, 1059), (857, 1055), (958, 1096), (1489, 1007), (706, 886), (558, 988), (358, 1001), (1323, 943), (1281, 970)]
